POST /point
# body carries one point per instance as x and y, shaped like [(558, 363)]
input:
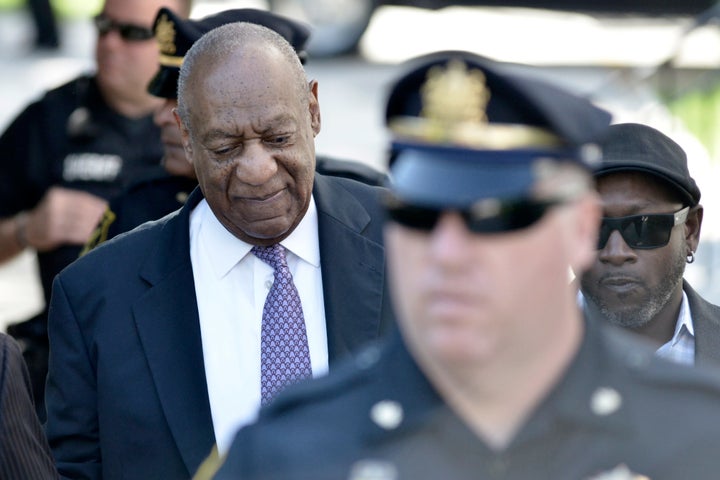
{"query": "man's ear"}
[(314, 107), (185, 134), (693, 225)]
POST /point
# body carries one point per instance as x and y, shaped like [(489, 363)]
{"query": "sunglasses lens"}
[(511, 216), (651, 231), (639, 231), (135, 33), (128, 32), (418, 218)]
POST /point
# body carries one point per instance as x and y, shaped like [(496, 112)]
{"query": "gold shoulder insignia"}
[(209, 467), (101, 231)]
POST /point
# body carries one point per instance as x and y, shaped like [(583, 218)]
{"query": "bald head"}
[(247, 43)]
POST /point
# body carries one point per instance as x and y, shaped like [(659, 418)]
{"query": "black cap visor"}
[(164, 83)]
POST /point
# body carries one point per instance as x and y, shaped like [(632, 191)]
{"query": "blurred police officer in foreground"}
[(67, 154), (495, 373), (650, 231), (158, 194)]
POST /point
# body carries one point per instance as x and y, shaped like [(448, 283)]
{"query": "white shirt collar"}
[(302, 242), (684, 318)]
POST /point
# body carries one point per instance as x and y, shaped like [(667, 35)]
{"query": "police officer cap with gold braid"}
[(465, 128), (176, 35)]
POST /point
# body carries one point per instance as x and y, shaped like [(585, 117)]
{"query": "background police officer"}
[(68, 153)]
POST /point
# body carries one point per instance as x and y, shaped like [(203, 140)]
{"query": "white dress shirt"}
[(231, 285), (681, 347)]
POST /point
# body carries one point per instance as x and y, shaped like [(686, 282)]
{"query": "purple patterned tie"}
[(284, 352)]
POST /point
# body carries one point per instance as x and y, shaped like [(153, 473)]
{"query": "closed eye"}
[(278, 140), (224, 151)]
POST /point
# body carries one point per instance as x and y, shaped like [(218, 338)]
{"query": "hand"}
[(63, 216)]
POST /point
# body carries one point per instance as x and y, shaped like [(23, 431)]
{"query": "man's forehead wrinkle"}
[(217, 134)]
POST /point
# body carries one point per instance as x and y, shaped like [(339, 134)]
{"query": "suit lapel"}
[(706, 323), (352, 268), (168, 326)]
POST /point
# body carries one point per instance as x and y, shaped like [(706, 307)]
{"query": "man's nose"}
[(616, 251)]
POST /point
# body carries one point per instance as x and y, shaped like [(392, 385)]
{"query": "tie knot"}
[(274, 255)]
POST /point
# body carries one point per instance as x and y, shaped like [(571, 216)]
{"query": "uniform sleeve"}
[(71, 393), (21, 166), (24, 452)]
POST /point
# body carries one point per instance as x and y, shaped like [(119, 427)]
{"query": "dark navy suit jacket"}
[(126, 393)]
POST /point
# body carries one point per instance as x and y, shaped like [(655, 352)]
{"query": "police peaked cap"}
[(175, 36), (466, 128)]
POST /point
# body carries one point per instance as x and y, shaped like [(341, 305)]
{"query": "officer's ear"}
[(185, 134)]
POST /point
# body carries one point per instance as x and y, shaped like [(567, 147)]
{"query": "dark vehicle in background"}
[(339, 24)]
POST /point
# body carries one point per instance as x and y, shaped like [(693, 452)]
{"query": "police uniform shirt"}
[(231, 286), (618, 411), (71, 138)]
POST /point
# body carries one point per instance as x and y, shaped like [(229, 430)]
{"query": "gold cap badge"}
[(455, 101), (165, 37)]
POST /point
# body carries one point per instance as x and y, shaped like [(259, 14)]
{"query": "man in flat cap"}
[(158, 193), (494, 373), (166, 339), (649, 232)]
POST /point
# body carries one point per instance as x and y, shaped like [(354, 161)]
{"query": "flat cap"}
[(175, 36), (466, 128), (633, 147)]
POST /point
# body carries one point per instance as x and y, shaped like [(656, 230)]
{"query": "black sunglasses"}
[(486, 216), (643, 232), (127, 31)]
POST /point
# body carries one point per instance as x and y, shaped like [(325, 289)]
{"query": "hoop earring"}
[(691, 257)]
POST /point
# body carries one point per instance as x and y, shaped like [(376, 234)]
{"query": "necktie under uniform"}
[(284, 351)]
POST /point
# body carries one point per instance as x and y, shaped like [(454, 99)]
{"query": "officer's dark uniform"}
[(156, 194), (616, 412), (617, 405), (68, 138)]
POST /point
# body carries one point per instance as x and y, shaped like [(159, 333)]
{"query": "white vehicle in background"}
[(338, 25)]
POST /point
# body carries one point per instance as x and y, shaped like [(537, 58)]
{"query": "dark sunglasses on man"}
[(485, 216), (644, 232), (127, 31)]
